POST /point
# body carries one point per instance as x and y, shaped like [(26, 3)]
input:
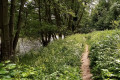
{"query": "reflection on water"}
[(25, 45)]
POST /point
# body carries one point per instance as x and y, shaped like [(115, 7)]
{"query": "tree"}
[(11, 25), (5, 42), (19, 25), (40, 21), (8, 41), (104, 14)]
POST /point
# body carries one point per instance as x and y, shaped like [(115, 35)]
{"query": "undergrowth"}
[(105, 55), (60, 60)]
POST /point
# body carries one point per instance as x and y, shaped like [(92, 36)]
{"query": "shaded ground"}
[(86, 75)]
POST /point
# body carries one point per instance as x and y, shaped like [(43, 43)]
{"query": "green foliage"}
[(11, 71), (105, 55), (71, 13), (46, 27), (59, 60), (116, 23), (36, 24), (104, 15), (85, 24), (34, 29)]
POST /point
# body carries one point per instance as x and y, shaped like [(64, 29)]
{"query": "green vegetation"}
[(106, 15), (60, 60), (105, 55), (50, 20), (11, 71)]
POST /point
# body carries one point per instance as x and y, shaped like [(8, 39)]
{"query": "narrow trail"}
[(86, 75)]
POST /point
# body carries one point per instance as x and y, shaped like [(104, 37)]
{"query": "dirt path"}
[(86, 75)]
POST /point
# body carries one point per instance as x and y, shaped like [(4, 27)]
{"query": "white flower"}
[(118, 61)]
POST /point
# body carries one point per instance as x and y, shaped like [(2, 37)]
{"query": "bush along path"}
[(105, 55), (86, 75)]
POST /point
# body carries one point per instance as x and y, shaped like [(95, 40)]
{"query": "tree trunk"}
[(70, 22), (19, 25), (58, 18), (0, 14), (49, 12), (45, 36), (39, 3), (80, 18), (11, 25), (5, 42)]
